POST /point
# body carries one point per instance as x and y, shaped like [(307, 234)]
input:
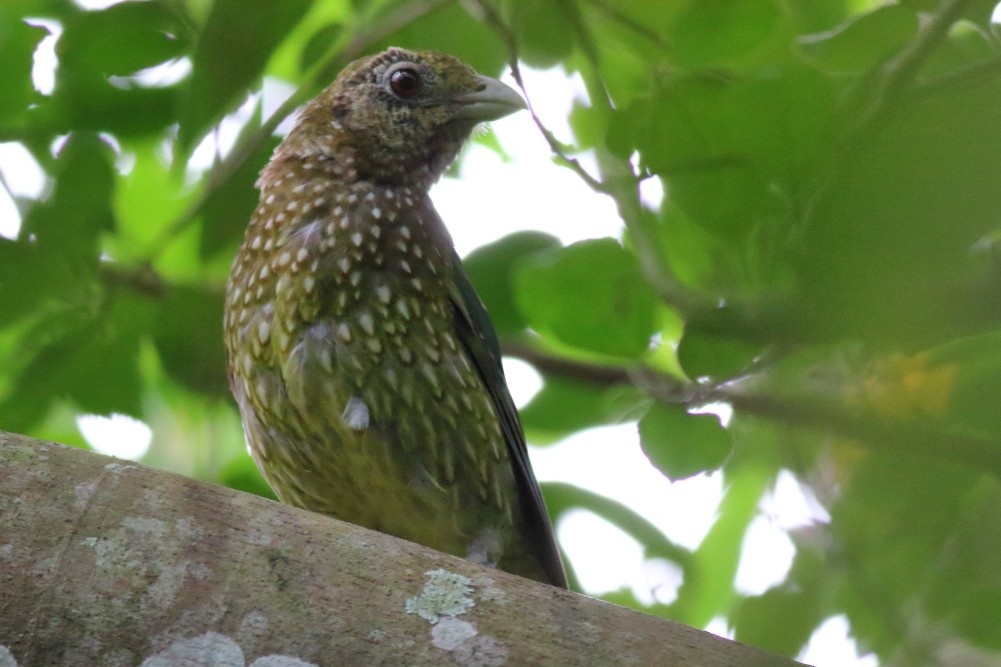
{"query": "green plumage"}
[(366, 370)]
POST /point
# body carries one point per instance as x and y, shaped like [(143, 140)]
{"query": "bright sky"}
[(491, 199)]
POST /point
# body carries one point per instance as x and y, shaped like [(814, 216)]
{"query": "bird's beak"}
[(491, 100)]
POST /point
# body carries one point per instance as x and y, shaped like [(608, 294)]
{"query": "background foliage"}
[(826, 262)]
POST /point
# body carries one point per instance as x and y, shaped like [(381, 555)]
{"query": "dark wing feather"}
[(478, 337)]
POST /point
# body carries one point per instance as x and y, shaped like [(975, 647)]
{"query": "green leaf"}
[(780, 620), (451, 29), (22, 284), (96, 366), (17, 45), (618, 315), (491, 269), (890, 237), (544, 31), (720, 357), (973, 364), (189, 338), (562, 498), (232, 50), (681, 444), (120, 40), (563, 406), (79, 209), (862, 42), (318, 45), (229, 207), (719, 30), (146, 200), (736, 154), (921, 508), (707, 591)]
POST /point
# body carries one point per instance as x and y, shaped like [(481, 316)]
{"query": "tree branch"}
[(815, 413), (111, 562)]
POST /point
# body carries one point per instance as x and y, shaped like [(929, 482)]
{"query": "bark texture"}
[(109, 562)]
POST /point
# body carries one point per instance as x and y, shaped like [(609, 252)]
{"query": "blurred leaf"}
[(965, 44), (562, 498), (564, 406), (783, 618), (619, 315), (974, 391), (736, 154), (544, 30), (229, 207), (707, 591), (21, 291), (892, 233), (779, 620), (318, 45), (862, 42), (189, 339), (705, 355), (451, 29), (491, 269), (94, 365), (915, 505), (18, 41), (714, 30), (680, 444), (233, 47), (146, 200), (698, 258), (120, 40), (974, 610), (79, 208)]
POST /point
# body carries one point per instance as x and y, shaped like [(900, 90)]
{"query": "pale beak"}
[(490, 101)]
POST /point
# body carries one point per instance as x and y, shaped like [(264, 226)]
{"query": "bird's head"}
[(401, 116)]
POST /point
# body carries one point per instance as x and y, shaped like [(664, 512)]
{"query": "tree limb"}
[(108, 562), (828, 414)]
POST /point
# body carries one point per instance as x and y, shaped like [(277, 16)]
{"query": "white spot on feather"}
[(355, 414), (367, 324)]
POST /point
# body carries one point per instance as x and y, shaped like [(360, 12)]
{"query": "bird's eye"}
[(405, 82)]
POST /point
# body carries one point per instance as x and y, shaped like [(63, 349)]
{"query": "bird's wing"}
[(479, 339)]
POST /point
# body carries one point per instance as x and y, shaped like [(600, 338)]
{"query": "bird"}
[(365, 368)]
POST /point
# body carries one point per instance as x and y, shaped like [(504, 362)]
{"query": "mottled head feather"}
[(389, 138)]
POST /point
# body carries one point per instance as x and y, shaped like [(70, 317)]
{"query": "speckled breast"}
[(356, 394)]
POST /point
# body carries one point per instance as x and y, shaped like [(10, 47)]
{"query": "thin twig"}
[(559, 149), (142, 279), (989, 68), (592, 373), (618, 179), (897, 74)]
